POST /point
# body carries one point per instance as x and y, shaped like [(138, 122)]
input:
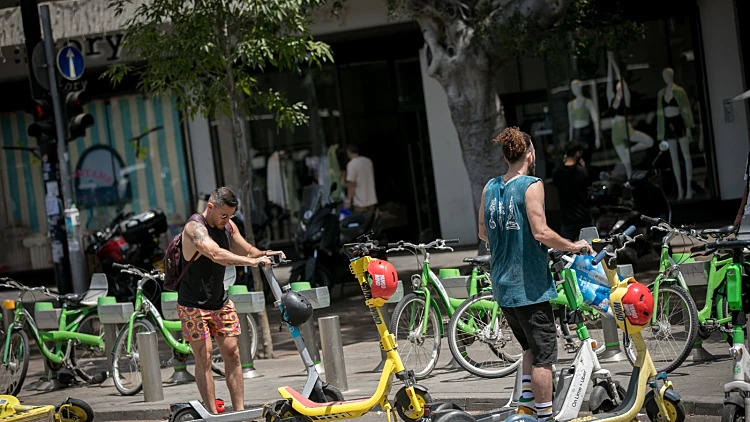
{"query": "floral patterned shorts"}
[(199, 324)]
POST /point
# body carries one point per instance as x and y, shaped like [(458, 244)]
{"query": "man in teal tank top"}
[(512, 221)]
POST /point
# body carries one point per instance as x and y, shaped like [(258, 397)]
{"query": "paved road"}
[(380, 418)]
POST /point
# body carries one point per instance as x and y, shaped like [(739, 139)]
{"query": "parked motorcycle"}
[(129, 239), (321, 235), (618, 204)]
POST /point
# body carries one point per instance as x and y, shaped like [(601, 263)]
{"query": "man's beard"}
[(531, 170)]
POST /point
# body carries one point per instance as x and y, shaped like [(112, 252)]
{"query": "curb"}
[(466, 403)]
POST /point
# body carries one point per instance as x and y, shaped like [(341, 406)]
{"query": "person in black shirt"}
[(572, 182)]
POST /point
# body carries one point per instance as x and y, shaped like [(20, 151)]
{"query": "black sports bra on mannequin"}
[(670, 103)]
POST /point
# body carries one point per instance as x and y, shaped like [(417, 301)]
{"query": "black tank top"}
[(203, 286)]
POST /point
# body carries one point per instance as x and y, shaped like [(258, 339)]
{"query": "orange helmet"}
[(638, 304), (383, 279)]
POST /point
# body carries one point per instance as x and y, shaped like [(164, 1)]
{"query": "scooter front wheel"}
[(403, 404), (675, 409), (733, 412), (330, 394), (187, 414)]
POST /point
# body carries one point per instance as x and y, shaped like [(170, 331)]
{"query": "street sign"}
[(70, 63)]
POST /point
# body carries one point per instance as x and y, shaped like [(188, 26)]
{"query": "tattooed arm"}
[(480, 220), (198, 236)]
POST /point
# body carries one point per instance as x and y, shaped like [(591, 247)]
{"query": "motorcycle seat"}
[(724, 231), (478, 260)]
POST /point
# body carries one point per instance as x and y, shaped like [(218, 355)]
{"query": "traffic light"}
[(43, 127), (78, 120)]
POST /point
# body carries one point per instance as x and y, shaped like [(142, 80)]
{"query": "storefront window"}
[(132, 160), (660, 83)]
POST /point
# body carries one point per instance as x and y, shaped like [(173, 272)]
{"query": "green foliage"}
[(585, 31), (205, 51)]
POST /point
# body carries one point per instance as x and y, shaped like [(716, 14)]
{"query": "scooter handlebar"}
[(598, 258), (652, 221)]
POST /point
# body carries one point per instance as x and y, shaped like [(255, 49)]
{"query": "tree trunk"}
[(243, 163), (478, 118)]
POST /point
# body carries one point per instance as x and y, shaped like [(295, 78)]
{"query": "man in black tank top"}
[(213, 241)]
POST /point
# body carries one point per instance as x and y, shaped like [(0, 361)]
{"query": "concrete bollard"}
[(148, 352), (333, 352)]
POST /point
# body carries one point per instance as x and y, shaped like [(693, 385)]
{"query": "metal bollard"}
[(243, 343), (110, 336), (150, 366), (333, 351)]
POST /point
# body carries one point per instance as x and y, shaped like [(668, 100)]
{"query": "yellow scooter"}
[(409, 400), (71, 410)]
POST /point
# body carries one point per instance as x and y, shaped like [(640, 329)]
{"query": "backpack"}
[(174, 266)]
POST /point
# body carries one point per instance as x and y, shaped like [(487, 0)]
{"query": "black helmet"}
[(297, 308)]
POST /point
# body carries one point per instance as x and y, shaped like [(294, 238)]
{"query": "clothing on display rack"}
[(678, 126)]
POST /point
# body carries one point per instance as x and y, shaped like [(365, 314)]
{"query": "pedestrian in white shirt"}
[(360, 181)]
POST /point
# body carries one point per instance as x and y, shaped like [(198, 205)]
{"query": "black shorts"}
[(534, 327)]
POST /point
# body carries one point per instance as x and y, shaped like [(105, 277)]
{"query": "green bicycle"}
[(126, 368), (419, 328), (78, 343), (676, 322)]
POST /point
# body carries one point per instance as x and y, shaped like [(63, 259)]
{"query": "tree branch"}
[(547, 12), (436, 53)]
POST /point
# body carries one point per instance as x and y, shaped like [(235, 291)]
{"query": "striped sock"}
[(544, 411), (527, 396)]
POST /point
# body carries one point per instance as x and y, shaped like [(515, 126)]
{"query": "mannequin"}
[(622, 131), (674, 124), (582, 112)]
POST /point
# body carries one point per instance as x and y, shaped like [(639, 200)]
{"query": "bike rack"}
[(111, 313), (246, 303)]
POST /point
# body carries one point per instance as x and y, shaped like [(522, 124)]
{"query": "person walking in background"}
[(572, 183), (360, 181)]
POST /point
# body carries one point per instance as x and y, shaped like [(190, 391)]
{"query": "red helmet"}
[(638, 304), (383, 279)]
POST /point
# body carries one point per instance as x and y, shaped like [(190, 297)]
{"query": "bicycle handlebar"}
[(607, 250), (130, 269), (435, 244), (731, 244), (13, 284)]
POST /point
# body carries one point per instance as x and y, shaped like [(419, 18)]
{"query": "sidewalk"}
[(699, 384)]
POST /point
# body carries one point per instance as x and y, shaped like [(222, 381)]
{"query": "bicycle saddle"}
[(478, 260), (724, 231), (72, 298)]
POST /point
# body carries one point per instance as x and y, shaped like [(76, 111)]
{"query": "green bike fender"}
[(435, 306)]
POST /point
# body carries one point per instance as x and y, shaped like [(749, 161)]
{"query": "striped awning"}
[(69, 19)]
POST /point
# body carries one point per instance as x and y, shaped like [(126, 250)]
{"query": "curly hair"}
[(515, 143)]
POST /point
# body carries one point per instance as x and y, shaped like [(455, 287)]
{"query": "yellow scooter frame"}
[(662, 402), (410, 399)]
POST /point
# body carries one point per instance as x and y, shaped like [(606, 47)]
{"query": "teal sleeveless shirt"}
[(518, 266)]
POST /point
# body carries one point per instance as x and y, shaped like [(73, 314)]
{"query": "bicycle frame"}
[(65, 333), (669, 273), (431, 281), (144, 308)]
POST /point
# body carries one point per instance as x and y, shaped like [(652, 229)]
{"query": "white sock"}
[(544, 411)]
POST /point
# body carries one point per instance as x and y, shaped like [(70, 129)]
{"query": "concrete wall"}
[(724, 75), (455, 207)]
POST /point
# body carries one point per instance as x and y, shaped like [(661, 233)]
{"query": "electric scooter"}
[(662, 403), (736, 406), (315, 389), (410, 399)]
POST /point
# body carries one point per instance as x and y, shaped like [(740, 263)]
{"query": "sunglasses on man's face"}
[(224, 216)]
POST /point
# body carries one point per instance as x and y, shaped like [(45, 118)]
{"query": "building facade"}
[(142, 155)]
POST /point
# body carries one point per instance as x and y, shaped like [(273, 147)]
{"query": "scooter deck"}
[(499, 415), (242, 415)]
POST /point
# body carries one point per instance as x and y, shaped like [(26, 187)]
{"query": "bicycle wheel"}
[(498, 353), (126, 367), (419, 346), (13, 373), (217, 362), (670, 338), (593, 321), (89, 361)]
